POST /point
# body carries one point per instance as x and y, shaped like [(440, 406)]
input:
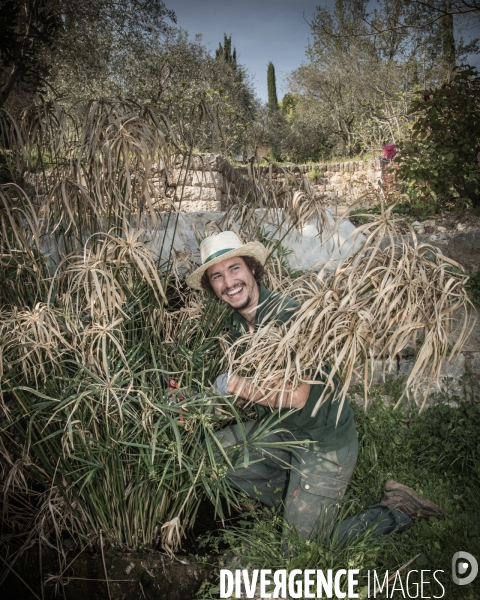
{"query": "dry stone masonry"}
[(211, 182), (344, 182), (206, 182)]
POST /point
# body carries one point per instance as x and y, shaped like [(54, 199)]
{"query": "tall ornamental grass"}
[(94, 325), (95, 440)]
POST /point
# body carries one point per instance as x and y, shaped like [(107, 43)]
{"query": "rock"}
[(461, 227), (347, 180), (476, 363), (416, 224), (433, 238), (376, 374), (451, 370), (198, 206), (207, 179), (193, 193), (339, 211), (464, 247), (420, 231), (441, 229), (472, 343)]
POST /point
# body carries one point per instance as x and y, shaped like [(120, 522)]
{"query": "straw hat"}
[(221, 246)]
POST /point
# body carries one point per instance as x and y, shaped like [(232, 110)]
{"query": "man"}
[(309, 479)]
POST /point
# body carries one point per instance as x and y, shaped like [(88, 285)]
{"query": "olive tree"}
[(69, 46), (364, 67)]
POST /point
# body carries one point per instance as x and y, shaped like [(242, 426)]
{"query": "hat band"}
[(219, 253)]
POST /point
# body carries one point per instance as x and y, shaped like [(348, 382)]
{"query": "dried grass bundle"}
[(385, 297)]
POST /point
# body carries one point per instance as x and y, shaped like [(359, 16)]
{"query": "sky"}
[(262, 31)]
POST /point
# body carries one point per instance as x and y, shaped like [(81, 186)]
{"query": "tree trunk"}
[(15, 75)]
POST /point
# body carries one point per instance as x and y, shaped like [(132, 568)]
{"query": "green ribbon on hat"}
[(219, 253)]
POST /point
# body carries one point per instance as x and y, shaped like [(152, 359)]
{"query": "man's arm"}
[(288, 398)]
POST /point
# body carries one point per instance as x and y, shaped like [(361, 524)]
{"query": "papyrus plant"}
[(391, 294), (94, 324)]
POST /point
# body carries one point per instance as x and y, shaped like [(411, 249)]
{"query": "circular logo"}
[(461, 561)]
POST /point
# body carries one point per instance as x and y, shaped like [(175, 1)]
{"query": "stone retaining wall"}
[(211, 182), (341, 182), (208, 182)]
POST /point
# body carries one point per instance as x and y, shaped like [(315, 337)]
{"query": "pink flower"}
[(426, 97), (389, 150)]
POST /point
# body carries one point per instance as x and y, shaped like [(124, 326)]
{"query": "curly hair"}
[(255, 267)]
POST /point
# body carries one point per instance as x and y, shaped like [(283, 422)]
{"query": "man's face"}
[(233, 282)]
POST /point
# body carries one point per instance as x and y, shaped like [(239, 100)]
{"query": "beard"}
[(244, 303)]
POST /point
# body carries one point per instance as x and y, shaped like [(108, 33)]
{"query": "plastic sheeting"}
[(310, 246)]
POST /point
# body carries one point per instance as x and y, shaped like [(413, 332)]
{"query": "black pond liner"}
[(131, 575)]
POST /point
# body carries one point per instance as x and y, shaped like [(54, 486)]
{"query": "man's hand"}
[(220, 384), (285, 398)]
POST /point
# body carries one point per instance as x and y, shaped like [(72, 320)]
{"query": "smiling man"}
[(310, 481), (234, 282)]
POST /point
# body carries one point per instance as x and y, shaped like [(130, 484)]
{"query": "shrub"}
[(440, 159)]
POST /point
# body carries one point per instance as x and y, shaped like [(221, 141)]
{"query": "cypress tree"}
[(225, 52), (448, 40), (272, 86)]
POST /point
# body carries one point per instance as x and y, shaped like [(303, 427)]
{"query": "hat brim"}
[(254, 249)]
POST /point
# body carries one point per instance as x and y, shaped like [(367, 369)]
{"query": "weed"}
[(313, 174)]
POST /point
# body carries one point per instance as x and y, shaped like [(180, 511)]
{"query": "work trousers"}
[(309, 483)]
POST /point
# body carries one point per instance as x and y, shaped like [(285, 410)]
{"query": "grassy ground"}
[(436, 453)]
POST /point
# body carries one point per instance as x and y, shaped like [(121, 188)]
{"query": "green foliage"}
[(448, 40), (272, 87), (225, 52), (422, 206), (363, 66), (435, 452), (49, 41), (109, 49), (288, 105), (474, 287), (314, 174), (29, 31), (440, 159), (418, 207)]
